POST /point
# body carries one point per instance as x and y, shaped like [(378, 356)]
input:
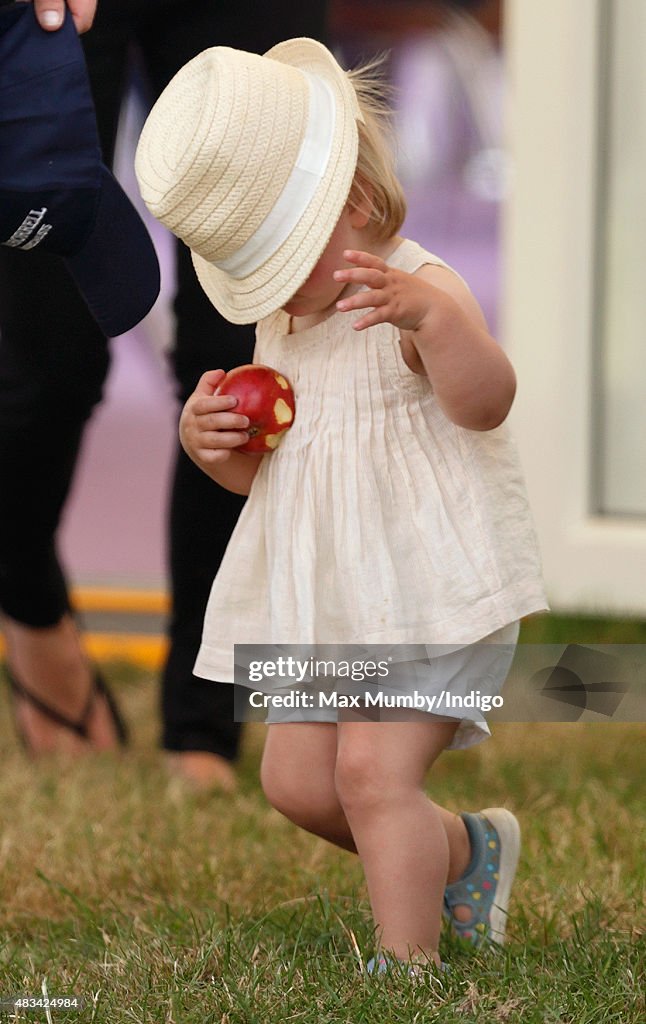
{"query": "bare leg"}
[(438, 849), (401, 838), (313, 803), (308, 798)]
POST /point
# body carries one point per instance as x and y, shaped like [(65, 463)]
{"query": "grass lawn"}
[(154, 905)]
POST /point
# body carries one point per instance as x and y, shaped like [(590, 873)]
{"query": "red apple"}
[(266, 397)]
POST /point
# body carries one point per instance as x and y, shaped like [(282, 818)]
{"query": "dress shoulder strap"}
[(410, 256)]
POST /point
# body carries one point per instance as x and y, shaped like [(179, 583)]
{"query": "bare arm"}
[(444, 335), (209, 430), (49, 13)]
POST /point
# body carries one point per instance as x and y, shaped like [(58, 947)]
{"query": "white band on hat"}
[(308, 171)]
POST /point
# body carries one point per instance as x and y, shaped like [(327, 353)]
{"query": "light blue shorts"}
[(452, 682)]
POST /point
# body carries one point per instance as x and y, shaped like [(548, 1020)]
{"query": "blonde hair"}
[(375, 181)]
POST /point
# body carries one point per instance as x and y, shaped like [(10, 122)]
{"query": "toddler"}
[(394, 511)]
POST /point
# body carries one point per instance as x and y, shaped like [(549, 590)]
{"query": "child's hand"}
[(208, 427), (443, 335), (398, 298)]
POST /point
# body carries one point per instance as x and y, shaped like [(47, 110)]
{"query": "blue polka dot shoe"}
[(384, 965), (486, 885), (381, 965)]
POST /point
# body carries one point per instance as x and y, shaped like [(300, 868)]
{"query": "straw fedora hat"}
[(250, 159)]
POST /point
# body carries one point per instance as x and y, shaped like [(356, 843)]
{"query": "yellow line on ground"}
[(120, 599), (146, 652)]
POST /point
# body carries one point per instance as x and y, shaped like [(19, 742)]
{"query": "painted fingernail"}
[(51, 19)]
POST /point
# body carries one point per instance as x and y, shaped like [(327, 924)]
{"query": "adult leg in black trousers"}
[(53, 362), (197, 714)]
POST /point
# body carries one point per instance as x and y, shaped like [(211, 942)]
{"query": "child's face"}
[(320, 292)]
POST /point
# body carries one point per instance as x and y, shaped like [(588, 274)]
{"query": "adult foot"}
[(49, 664), (202, 771)]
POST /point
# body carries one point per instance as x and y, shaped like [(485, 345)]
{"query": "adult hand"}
[(50, 13)]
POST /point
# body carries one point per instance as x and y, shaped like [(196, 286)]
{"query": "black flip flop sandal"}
[(81, 727)]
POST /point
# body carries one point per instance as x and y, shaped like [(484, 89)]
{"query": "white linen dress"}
[(377, 520)]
